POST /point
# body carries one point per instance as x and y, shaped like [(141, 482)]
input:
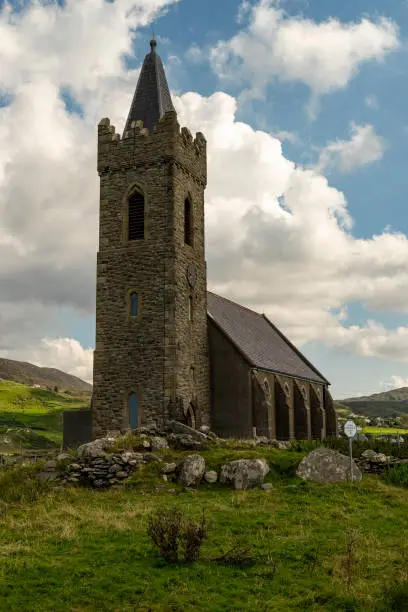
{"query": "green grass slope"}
[(315, 547), (32, 417)]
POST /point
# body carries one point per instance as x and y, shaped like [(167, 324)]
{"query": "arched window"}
[(134, 304), (188, 223), (266, 388), (133, 411), (136, 221)]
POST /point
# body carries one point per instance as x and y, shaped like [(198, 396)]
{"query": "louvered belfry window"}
[(136, 216)]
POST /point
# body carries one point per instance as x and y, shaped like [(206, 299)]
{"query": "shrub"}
[(177, 538), (21, 485), (397, 475)]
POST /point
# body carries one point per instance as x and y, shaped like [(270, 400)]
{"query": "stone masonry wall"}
[(147, 354)]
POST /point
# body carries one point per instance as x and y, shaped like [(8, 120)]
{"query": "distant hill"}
[(29, 374), (391, 403)]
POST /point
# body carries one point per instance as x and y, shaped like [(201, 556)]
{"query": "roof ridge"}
[(235, 303), (292, 346)]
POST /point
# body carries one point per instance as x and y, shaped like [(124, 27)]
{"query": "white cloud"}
[(395, 382), (364, 147), (279, 234), (283, 135), (325, 56), (48, 179)]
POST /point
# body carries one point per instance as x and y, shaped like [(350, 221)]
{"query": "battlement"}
[(137, 146)]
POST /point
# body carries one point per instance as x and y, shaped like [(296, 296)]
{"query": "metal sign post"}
[(350, 429)]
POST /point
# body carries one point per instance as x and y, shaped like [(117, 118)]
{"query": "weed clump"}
[(21, 485), (397, 475), (177, 537)]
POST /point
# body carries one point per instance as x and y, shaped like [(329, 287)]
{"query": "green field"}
[(314, 547), (32, 417), (385, 430)]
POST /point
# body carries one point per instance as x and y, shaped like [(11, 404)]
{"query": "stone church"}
[(166, 348)]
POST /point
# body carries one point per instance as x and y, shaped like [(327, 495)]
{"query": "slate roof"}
[(152, 96), (259, 341)]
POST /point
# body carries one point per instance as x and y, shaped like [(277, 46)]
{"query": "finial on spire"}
[(153, 43)]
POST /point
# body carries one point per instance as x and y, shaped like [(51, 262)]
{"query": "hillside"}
[(387, 404), (31, 418), (29, 374)]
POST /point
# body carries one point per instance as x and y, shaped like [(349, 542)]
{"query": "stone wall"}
[(151, 354)]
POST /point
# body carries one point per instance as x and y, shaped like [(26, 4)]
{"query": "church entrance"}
[(133, 411)]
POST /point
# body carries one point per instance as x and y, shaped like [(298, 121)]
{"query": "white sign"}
[(350, 429)]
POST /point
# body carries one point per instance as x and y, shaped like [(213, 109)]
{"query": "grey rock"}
[(370, 455), (50, 466), (168, 468), (122, 475), (185, 441), (158, 443), (204, 429), (64, 457), (95, 448), (131, 457), (244, 473), (191, 470), (267, 486), (179, 428), (211, 476), (328, 466), (151, 457)]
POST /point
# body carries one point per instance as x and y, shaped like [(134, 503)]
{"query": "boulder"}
[(191, 470), (179, 428), (168, 468), (210, 476), (370, 455), (185, 441), (244, 473), (328, 466), (158, 443), (95, 448), (204, 429)]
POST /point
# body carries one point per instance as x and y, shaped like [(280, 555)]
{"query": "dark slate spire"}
[(152, 96)]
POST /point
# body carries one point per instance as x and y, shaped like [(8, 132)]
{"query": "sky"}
[(303, 105)]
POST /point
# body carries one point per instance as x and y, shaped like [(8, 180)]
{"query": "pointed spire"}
[(152, 96)]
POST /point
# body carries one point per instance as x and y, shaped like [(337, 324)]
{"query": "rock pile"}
[(377, 463), (104, 470)]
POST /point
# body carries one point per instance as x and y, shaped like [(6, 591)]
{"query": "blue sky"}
[(302, 235)]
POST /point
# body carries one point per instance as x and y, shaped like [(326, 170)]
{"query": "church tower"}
[(151, 354)]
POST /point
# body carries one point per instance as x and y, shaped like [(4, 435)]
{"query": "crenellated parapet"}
[(138, 148)]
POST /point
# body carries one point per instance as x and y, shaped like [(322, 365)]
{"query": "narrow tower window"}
[(136, 216), (188, 226), (190, 308), (134, 304)]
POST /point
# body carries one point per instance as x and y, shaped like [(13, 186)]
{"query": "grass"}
[(78, 549), (32, 417), (370, 429)]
